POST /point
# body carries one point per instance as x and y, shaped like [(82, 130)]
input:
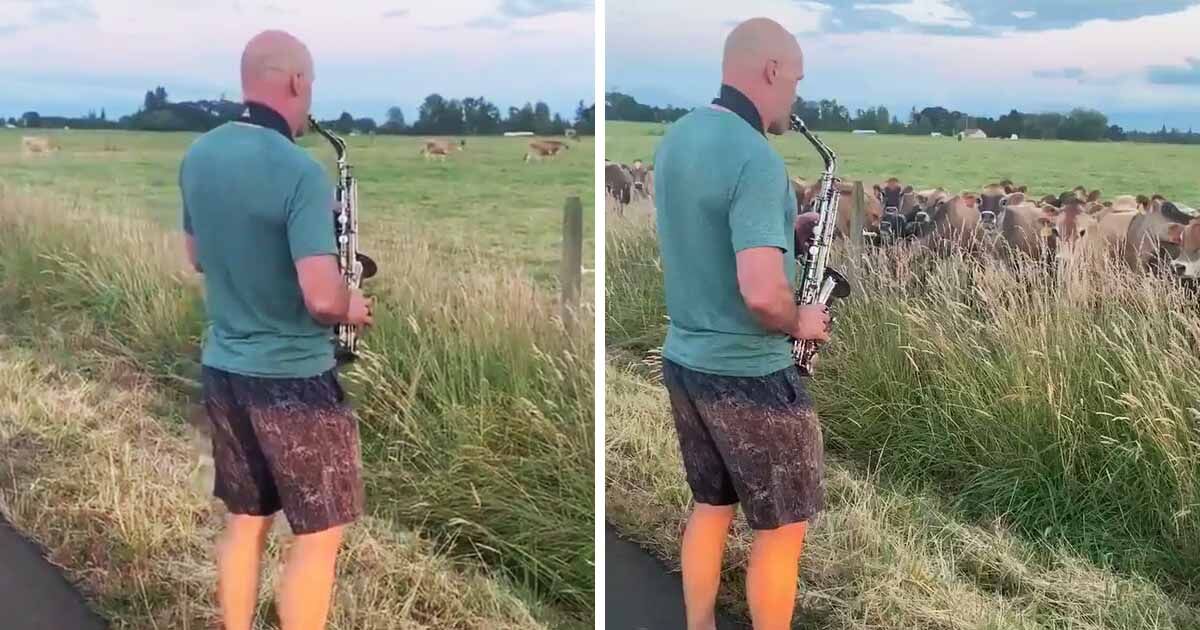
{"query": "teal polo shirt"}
[(256, 203), (719, 188)]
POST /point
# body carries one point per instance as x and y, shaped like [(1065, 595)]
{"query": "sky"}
[(1138, 61), (65, 57)]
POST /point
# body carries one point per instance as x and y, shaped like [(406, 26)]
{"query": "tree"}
[(103, 114), (480, 116), (585, 119), (31, 119), (344, 123), (395, 117)]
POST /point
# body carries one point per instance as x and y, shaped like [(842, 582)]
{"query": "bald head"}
[(764, 61), (277, 70)]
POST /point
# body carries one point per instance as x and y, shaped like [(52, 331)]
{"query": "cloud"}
[(1174, 75), (977, 17), (923, 12), (395, 13), (1060, 73), (488, 21), (537, 8), (20, 15)]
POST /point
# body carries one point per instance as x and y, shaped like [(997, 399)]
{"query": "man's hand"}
[(360, 309), (805, 224), (813, 323)]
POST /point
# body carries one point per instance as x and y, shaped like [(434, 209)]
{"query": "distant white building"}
[(518, 133), (1014, 137), (936, 134), (864, 131), (975, 133)]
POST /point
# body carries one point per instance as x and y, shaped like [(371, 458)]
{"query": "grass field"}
[(1007, 450), (1046, 167), (475, 398), (484, 199)]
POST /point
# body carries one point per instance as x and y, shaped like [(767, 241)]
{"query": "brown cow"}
[(899, 207), (1164, 239), (872, 213), (539, 149), (36, 145), (439, 149), (618, 182)]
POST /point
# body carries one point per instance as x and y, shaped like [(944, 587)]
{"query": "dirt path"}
[(34, 595), (640, 593)]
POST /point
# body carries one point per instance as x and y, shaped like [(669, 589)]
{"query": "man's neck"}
[(737, 102), (263, 115)]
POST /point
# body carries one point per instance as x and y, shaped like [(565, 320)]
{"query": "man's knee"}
[(328, 539), (791, 532), (713, 514)]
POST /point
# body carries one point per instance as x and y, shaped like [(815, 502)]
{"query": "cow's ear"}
[(1095, 207), (1094, 196), (1175, 233), (907, 190), (1015, 199)]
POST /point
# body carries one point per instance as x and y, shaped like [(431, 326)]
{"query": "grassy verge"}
[(98, 472), (883, 555), (1063, 408), (475, 401)]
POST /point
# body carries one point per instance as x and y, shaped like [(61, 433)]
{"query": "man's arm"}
[(326, 294), (313, 245), (765, 289), (189, 244)]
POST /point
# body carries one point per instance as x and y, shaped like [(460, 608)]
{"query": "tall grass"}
[(1063, 406), (475, 400), (883, 554), (93, 474)]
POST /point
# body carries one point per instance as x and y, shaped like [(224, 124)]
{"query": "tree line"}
[(1081, 124), (437, 115)]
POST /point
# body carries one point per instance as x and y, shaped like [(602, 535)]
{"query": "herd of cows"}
[(538, 149), (1147, 233)]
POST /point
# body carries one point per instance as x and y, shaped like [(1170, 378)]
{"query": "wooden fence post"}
[(855, 240), (571, 271)]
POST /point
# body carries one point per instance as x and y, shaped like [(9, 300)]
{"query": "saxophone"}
[(354, 265), (818, 283)]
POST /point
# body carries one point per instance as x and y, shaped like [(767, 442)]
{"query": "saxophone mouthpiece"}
[(797, 124)]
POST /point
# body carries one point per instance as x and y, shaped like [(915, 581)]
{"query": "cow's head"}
[(1187, 264), (993, 201)]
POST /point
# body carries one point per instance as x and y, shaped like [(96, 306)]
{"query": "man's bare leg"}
[(307, 581), (239, 557), (703, 548), (772, 575)]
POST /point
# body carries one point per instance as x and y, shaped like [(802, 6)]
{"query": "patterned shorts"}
[(754, 441), (286, 444)]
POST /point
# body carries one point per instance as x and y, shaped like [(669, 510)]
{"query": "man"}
[(258, 217), (726, 213)]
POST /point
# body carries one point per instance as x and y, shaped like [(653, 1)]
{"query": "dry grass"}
[(878, 557), (115, 492), (475, 399)]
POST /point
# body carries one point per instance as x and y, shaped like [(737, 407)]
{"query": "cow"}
[(639, 171), (35, 145), (944, 222), (539, 149), (618, 182), (439, 149), (1164, 239), (899, 205), (992, 200), (871, 216)]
